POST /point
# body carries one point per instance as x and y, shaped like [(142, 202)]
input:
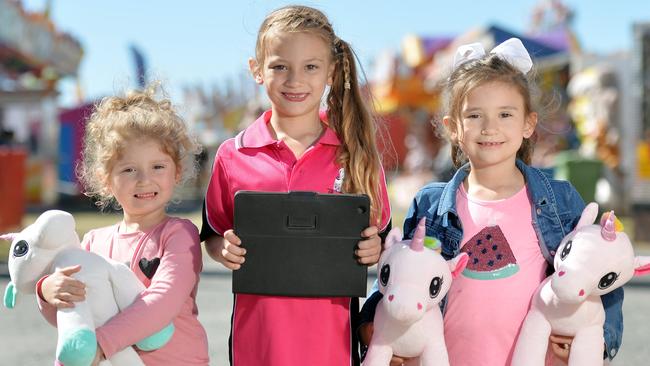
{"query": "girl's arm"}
[(218, 204), (369, 249), (170, 288), (47, 310), (367, 313)]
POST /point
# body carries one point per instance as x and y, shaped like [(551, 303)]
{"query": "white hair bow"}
[(511, 50)]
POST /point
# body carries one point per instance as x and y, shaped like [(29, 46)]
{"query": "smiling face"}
[(296, 68), (142, 179), (493, 123)]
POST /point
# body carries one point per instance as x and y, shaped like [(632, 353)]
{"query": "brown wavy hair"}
[(121, 120), (474, 73), (347, 111)]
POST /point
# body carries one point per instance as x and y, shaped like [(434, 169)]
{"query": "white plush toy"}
[(50, 243), (408, 321), (591, 261)]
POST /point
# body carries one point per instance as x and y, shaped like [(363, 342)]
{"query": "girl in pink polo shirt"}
[(293, 147), (137, 151)]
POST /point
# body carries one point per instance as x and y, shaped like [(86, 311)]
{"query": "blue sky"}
[(206, 42)]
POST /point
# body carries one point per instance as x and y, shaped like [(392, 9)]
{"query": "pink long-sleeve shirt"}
[(170, 294)]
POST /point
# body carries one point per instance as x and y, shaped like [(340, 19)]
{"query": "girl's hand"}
[(398, 361), (365, 332), (561, 346), (99, 356), (62, 290), (226, 250), (369, 248)]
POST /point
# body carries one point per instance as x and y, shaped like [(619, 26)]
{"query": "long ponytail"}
[(352, 121)]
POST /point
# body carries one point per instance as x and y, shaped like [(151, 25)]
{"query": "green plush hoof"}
[(157, 340), (10, 296), (78, 348)]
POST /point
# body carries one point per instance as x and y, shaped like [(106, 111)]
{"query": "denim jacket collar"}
[(538, 185)]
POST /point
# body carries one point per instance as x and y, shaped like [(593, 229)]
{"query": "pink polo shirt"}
[(272, 330)]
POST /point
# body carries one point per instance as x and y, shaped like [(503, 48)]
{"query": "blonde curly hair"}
[(118, 121)]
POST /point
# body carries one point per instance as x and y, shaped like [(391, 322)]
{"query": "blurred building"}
[(34, 56)]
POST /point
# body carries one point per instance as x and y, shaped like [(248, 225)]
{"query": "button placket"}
[(297, 167), (287, 160)]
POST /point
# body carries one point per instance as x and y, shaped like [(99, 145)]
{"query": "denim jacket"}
[(556, 209)]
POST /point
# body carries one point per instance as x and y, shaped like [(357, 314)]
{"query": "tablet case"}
[(300, 243)]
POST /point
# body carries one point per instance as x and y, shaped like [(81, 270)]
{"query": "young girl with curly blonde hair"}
[(137, 150)]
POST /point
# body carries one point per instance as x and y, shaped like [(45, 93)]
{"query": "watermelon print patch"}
[(490, 256)]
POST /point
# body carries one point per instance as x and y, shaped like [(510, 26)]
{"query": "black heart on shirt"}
[(149, 267)]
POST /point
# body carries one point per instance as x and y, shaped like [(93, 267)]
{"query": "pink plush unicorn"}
[(592, 260), (408, 321)]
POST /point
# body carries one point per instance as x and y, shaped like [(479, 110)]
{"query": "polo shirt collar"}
[(258, 135)]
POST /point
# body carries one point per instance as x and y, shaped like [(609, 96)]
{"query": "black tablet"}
[(300, 243)]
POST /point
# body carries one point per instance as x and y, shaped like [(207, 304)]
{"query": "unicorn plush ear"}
[(393, 237), (55, 227), (8, 236), (641, 266), (589, 215), (458, 264)]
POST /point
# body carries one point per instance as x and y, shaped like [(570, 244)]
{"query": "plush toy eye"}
[(21, 248), (566, 249), (607, 280), (435, 286), (384, 274)]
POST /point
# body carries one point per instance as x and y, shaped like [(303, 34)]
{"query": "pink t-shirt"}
[(170, 294), (489, 301), (273, 330)]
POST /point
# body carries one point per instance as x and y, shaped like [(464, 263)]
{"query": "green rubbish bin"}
[(582, 172)]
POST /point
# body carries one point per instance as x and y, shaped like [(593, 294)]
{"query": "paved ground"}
[(28, 341)]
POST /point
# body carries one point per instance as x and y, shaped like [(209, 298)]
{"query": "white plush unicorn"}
[(50, 243), (408, 321), (591, 261)]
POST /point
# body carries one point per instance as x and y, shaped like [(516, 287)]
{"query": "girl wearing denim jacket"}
[(507, 216)]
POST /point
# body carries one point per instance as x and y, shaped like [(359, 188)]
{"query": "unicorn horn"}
[(417, 244), (8, 236), (608, 230)]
